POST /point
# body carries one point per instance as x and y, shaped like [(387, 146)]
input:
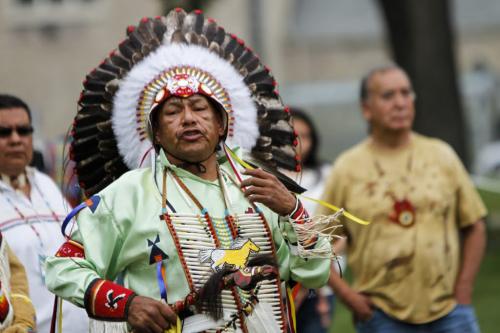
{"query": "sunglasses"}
[(6, 132)]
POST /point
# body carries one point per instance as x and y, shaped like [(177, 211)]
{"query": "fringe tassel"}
[(198, 323), (230, 153), (99, 326), (261, 320)]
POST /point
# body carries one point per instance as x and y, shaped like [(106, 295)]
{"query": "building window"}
[(38, 14)]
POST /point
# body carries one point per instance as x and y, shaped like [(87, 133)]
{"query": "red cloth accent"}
[(249, 211), (107, 300), (295, 290), (299, 213), (71, 249), (4, 305)]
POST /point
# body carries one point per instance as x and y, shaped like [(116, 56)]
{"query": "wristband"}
[(106, 300)]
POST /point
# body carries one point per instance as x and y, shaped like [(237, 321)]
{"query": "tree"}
[(422, 42)]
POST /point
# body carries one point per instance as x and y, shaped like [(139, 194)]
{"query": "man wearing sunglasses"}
[(32, 208)]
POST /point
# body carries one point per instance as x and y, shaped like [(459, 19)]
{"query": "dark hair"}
[(312, 160), (9, 102), (365, 80)]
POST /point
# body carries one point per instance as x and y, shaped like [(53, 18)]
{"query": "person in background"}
[(414, 265), (62, 170), (37, 161), (32, 211), (315, 307)]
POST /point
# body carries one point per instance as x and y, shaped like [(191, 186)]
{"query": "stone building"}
[(317, 49)]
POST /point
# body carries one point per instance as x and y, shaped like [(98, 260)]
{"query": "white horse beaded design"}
[(236, 256)]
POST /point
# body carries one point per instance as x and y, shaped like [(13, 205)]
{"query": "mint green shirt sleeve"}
[(311, 273), (98, 233)]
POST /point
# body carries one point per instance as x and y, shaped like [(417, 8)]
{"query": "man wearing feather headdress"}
[(194, 242)]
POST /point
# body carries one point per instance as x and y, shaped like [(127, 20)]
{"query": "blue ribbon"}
[(161, 282), (70, 217)]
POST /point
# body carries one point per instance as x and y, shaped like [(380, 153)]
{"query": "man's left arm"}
[(471, 212), (474, 243), (265, 188)]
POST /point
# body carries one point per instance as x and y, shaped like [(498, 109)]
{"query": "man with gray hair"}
[(411, 271)]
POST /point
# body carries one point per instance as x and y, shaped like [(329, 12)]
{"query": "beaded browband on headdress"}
[(184, 82), (177, 55), (187, 81)]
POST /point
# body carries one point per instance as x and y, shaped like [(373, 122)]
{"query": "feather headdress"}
[(182, 53)]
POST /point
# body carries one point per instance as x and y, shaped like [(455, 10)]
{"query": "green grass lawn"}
[(487, 288)]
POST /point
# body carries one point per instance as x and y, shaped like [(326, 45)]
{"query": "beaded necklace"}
[(404, 211), (268, 233), (28, 221), (204, 211), (25, 219), (16, 181), (214, 234)]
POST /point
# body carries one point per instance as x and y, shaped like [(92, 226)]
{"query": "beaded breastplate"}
[(194, 234)]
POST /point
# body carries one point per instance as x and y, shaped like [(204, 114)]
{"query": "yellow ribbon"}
[(60, 314), (321, 202), (292, 307), (176, 328), (336, 209)]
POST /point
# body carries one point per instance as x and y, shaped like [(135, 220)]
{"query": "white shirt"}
[(33, 237)]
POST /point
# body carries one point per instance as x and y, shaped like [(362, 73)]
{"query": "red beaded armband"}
[(105, 300), (299, 214), (71, 249)]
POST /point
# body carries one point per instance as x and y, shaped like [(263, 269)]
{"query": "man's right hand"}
[(147, 315), (360, 305)]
